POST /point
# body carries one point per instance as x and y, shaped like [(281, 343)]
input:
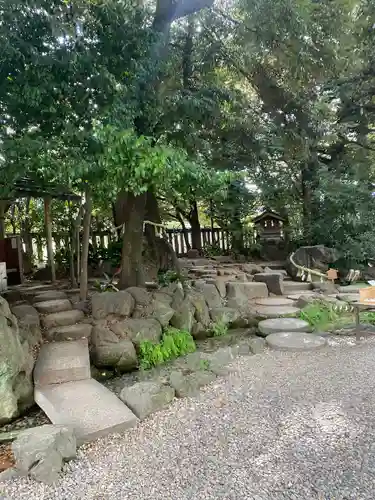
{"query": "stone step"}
[(275, 325), (53, 306), (276, 311), (60, 362), (69, 332), (348, 297), (62, 318), (49, 295), (87, 406), (352, 288), (295, 341), (296, 286), (303, 293), (274, 301)]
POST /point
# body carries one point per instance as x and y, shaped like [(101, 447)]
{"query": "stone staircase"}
[(68, 395)]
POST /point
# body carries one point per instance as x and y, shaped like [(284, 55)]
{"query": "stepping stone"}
[(69, 332), (274, 301), (63, 318), (296, 286), (268, 326), (352, 288), (276, 311), (295, 341), (53, 306), (60, 362), (348, 297), (52, 295), (87, 406), (302, 293)]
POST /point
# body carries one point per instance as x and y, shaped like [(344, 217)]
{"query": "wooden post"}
[(48, 224), (83, 284), (3, 206)]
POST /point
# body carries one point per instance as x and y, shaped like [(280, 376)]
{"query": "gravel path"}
[(280, 426)]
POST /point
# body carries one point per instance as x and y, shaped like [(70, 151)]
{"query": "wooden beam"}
[(48, 226)]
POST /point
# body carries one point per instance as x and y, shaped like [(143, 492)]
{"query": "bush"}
[(219, 328), (174, 343)]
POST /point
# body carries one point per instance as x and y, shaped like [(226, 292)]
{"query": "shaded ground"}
[(281, 426)]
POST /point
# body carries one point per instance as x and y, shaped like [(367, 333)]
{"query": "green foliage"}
[(212, 250), (165, 278), (321, 316), (174, 343), (219, 328)]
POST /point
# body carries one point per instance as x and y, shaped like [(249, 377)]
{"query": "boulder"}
[(189, 385), (218, 360), (325, 287), (138, 330), (202, 314), (183, 318), (28, 324), (250, 268), (221, 284), (163, 297), (69, 332), (145, 398), (257, 345), (316, 257), (225, 315), (141, 296), (119, 303), (62, 318), (41, 451), (274, 282), (16, 365), (158, 310), (211, 296), (239, 294), (110, 351), (52, 306)]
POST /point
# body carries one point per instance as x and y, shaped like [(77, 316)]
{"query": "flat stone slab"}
[(274, 301), (294, 286), (269, 326), (295, 341), (60, 362), (87, 406), (303, 293), (352, 288), (53, 306), (69, 332), (348, 297), (49, 295), (62, 318), (276, 311), (145, 398)]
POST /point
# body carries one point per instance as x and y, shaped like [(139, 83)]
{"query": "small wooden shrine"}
[(269, 226)]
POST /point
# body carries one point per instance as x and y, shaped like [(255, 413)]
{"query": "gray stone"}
[(189, 385), (141, 296), (183, 318), (145, 398), (324, 287), (316, 257), (276, 311), (40, 452), (250, 268), (291, 287), (348, 297), (219, 360), (110, 351), (165, 298), (295, 341), (221, 284), (274, 282), (201, 314), (60, 362), (53, 306), (86, 406), (352, 288), (119, 303), (16, 365), (62, 318), (239, 294), (49, 295), (28, 323), (199, 332), (225, 315), (257, 345), (69, 332), (211, 296), (268, 326), (138, 330), (160, 311), (274, 301)]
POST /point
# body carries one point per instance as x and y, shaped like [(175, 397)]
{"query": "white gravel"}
[(281, 426)]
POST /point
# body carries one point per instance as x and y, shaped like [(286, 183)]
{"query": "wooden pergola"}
[(26, 187)]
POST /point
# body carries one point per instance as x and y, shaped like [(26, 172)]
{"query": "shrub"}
[(219, 328), (320, 315), (173, 344)]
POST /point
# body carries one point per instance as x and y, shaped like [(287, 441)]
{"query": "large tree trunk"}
[(131, 260), (83, 284), (196, 236)]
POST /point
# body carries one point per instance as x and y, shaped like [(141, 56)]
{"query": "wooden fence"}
[(178, 238)]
